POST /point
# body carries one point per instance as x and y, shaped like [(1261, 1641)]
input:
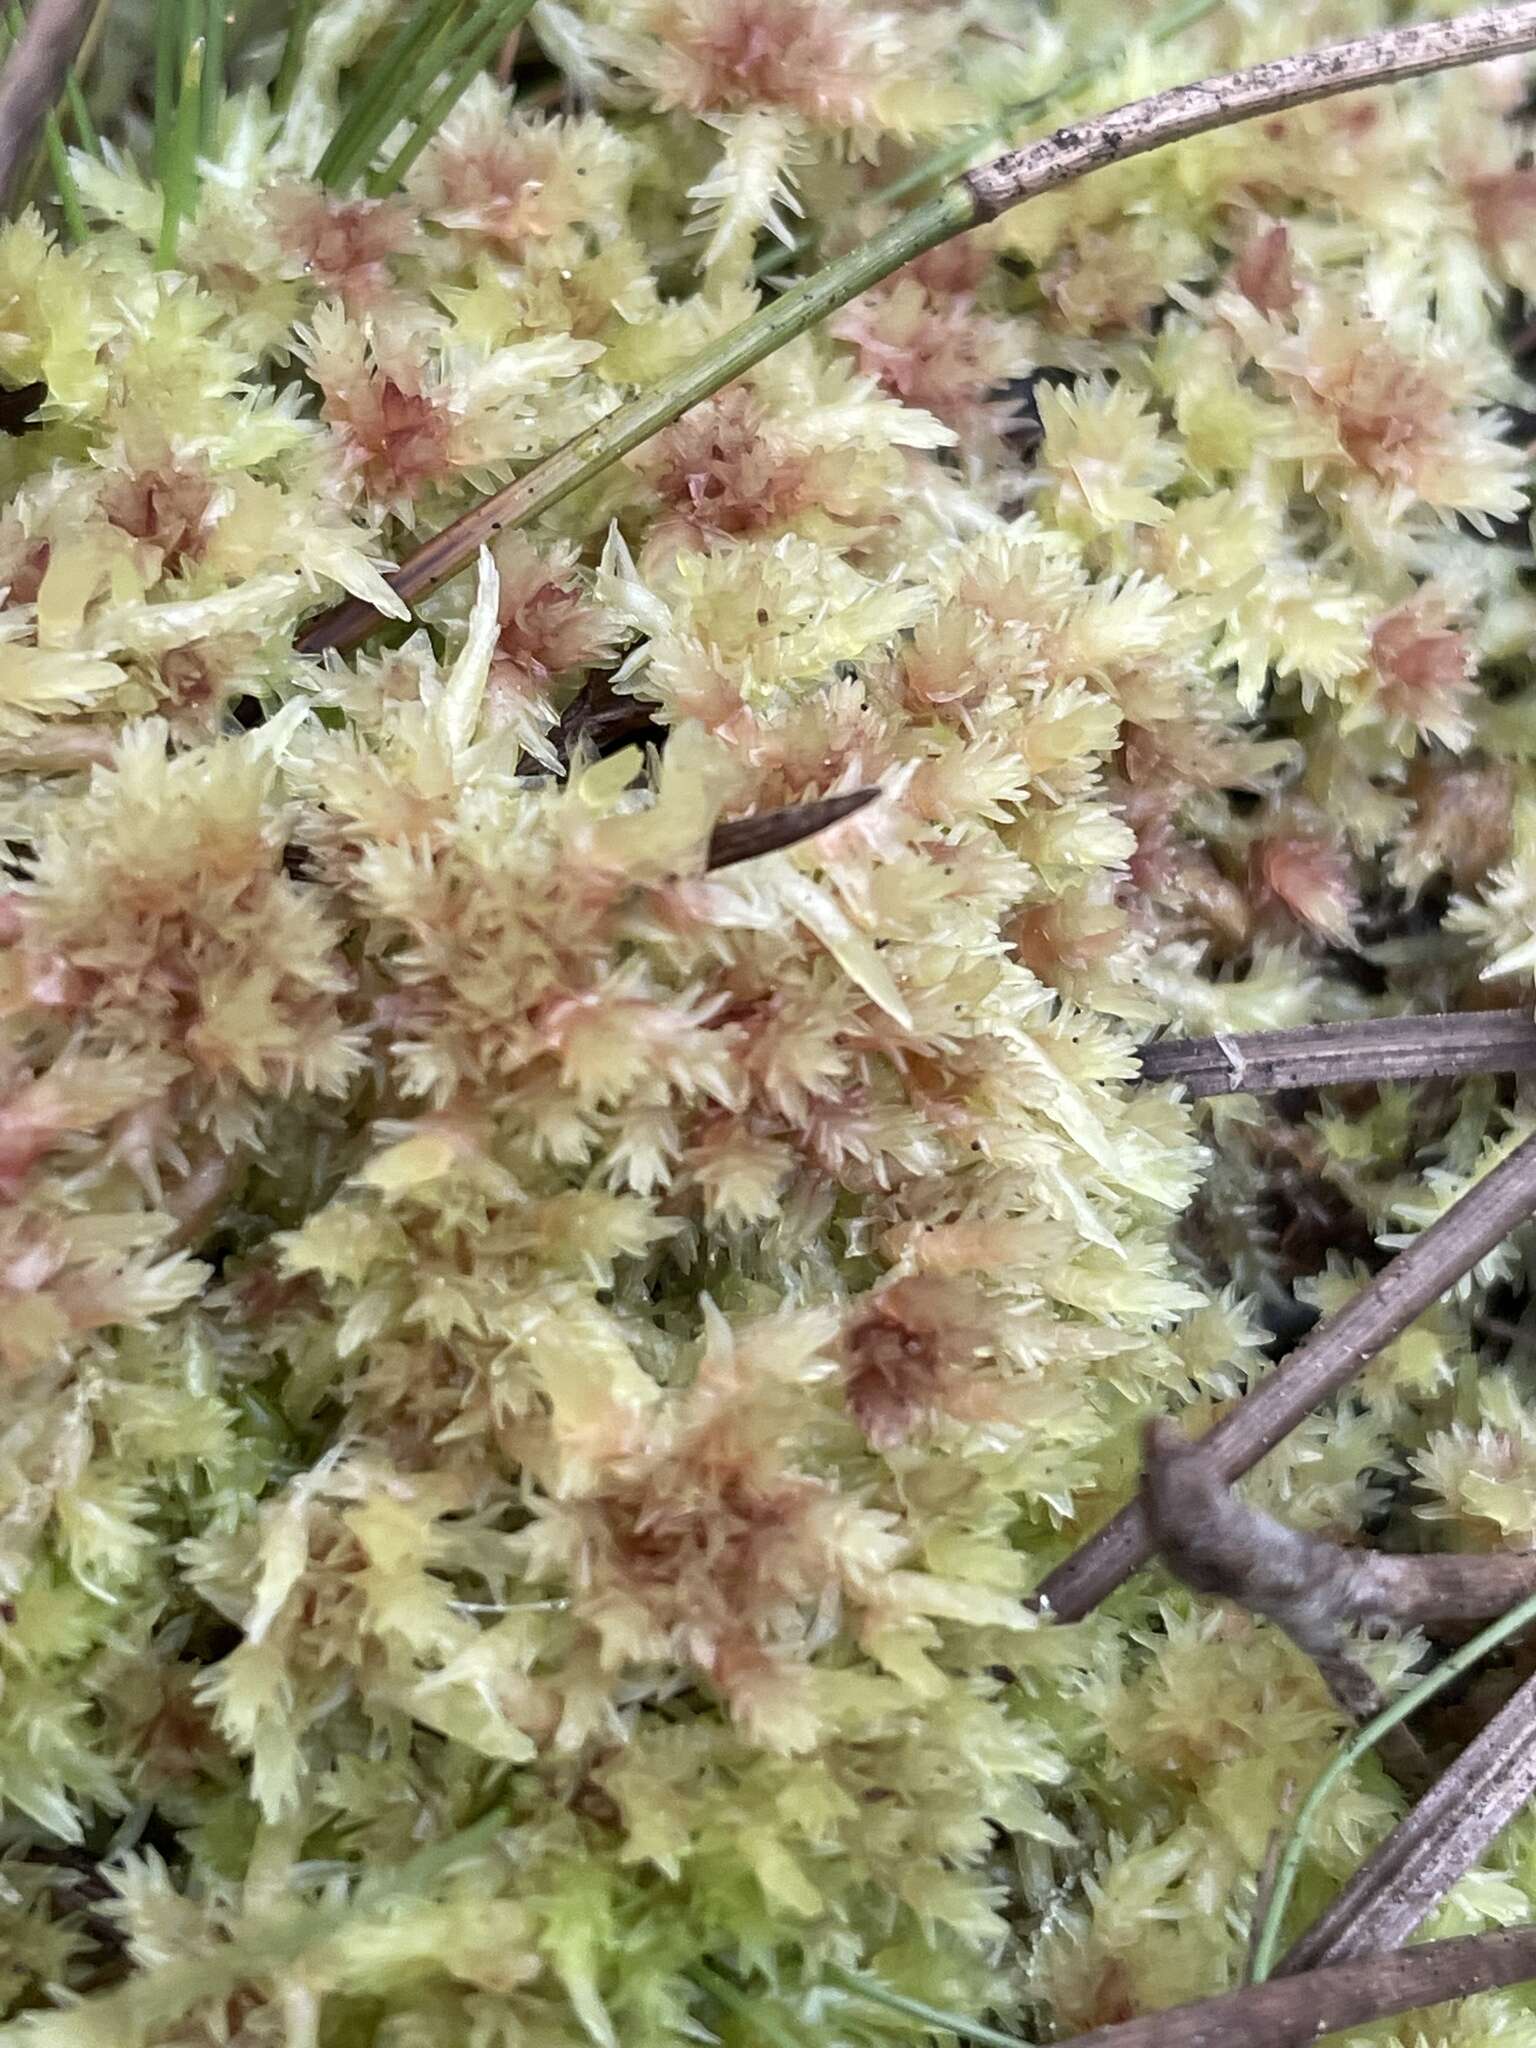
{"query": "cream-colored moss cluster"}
[(540, 1377)]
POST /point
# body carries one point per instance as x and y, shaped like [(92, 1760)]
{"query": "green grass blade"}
[(1350, 1752), (178, 185), (383, 99), (737, 2001), (80, 114), (211, 99), (170, 62), (292, 60), (933, 2016), (64, 180), (493, 22)]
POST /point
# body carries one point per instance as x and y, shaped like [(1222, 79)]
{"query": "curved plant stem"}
[(978, 196), (1350, 1753), (1407, 1876)]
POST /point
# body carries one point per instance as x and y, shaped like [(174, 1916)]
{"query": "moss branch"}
[(978, 196)]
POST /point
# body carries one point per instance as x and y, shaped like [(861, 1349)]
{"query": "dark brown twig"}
[(1328, 1055), (1330, 1357), (1315, 1590), (769, 831), (33, 78), (1288, 2011), (1402, 1882)]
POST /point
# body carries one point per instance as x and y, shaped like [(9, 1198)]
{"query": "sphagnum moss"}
[(541, 1377)]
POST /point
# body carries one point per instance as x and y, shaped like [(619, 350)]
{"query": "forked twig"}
[(1333, 1055), (1402, 1882), (1313, 1589), (980, 195), (1316, 1591), (1330, 1357), (33, 78)]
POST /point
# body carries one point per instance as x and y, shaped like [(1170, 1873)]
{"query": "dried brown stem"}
[(1398, 1886), (1315, 1590), (1238, 96), (769, 831), (1330, 1357), (1391, 54), (33, 78), (1288, 2011), (1333, 1055)]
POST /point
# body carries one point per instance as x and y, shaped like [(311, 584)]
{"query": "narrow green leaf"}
[(292, 60), (178, 185), (386, 97), (58, 155), (170, 61), (933, 2016), (80, 114), (1349, 1753), (487, 29), (215, 26)]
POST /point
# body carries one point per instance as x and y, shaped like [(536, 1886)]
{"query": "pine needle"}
[(485, 32), (1350, 1753), (388, 94), (291, 63)]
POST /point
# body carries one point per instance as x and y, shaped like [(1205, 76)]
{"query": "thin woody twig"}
[(769, 831), (33, 78), (1282, 2013), (1403, 1881), (1314, 1590), (1289, 2011), (980, 195), (1331, 1055), (1330, 1357)]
